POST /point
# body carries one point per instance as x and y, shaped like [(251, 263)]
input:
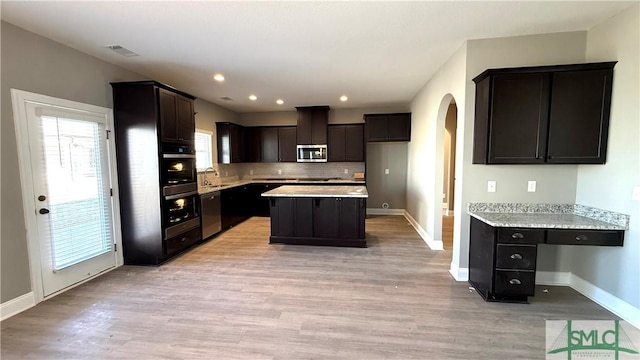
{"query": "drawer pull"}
[(516, 256), (183, 239), (517, 236), (515, 282), (581, 238)]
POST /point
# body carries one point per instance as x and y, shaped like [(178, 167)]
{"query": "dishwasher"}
[(210, 216)]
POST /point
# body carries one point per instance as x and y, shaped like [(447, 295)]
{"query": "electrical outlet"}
[(531, 186), (226, 173), (636, 193), (491, 186), (386, 171), (346, 171), (279, 171), (250, 172)]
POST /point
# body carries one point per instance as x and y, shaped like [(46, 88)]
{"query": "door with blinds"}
[(71, 188)]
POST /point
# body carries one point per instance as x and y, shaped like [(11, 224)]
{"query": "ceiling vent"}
[(122, 50), (226, 98)]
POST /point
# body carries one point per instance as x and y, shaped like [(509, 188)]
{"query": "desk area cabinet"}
[(503, 245)]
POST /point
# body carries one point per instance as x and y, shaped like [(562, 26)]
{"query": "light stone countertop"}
[(548, 216), (318, 191)]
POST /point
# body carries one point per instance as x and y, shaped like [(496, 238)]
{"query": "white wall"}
[(609, 186), (556, 184), (426, 149)]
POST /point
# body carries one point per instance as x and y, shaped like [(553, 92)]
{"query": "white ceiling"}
[(307, 53)]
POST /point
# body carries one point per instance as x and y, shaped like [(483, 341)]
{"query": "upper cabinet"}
[(388, 127), (546, 114), (230, 139), (287, 144), (172, 109), (346, 143), (312, 125)]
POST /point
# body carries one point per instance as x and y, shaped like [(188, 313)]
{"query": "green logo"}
[(593, 340)]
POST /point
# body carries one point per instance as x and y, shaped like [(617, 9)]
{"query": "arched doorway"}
[(449, 170)]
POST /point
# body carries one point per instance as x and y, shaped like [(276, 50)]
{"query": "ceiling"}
[(306, 53)]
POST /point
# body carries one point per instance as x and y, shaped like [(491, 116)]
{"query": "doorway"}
[(448, 180), (68, 177)]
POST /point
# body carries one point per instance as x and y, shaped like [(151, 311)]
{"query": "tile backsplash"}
[(245, 171)]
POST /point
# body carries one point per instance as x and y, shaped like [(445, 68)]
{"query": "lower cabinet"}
[(233, 204), (502, 261), (318, 221)]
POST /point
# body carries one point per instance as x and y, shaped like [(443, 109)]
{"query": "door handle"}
[(43, 211)]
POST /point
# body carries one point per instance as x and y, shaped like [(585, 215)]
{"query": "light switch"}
[(531, 186), (491, 186), (279, 171), (386, 171), (636, 193), (346, 171)]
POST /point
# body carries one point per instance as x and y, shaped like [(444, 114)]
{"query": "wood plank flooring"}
[(447, 232), (237, 297)]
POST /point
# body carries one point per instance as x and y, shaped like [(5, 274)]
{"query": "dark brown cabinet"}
[(334, 221), (177, 120), (253, 144), (548, 114), (502, 260), (230, 143), (287, 144), (388, 127), (312, 125), (270, 144), (156, 171), (346, 142)]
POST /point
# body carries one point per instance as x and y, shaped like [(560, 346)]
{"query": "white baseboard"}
[(556, 278), (621, 308), (17, 305), (458, 273), (433, 244), (374, 211)]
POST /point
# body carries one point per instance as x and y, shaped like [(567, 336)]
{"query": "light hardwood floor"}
[(447, 232), (237, 297)]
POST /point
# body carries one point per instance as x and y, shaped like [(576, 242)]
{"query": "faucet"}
[(205, 178)]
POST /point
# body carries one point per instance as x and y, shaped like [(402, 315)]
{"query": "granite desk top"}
[(318, 191), (548, 216)]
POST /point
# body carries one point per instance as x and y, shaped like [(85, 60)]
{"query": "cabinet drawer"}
[(520, 257), (512, 283), (520, 236), (182, 241), (585, 237)]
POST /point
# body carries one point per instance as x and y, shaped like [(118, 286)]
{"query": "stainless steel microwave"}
[(312, 153)]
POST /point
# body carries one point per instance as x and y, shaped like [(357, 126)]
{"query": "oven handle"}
[(178, 156), (177, 196)]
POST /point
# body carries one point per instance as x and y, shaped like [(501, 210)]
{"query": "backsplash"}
[(232, 172)]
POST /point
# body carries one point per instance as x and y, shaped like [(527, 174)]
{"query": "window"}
[(203, 149)]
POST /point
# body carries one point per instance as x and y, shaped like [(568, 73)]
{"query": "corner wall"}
[(615, 270)]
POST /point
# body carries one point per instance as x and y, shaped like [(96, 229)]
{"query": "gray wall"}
[(609, 186), (387, 188), (33, 63)]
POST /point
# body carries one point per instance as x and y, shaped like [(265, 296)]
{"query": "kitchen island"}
[(318, 215)]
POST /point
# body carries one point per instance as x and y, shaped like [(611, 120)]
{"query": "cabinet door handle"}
[(183, 239), (581, 238), (515, 282), (516, 256), (517, 236)]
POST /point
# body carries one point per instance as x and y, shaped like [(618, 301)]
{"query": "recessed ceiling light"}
[(279, 101), (218, 77), (344, 98), (253, 97)]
